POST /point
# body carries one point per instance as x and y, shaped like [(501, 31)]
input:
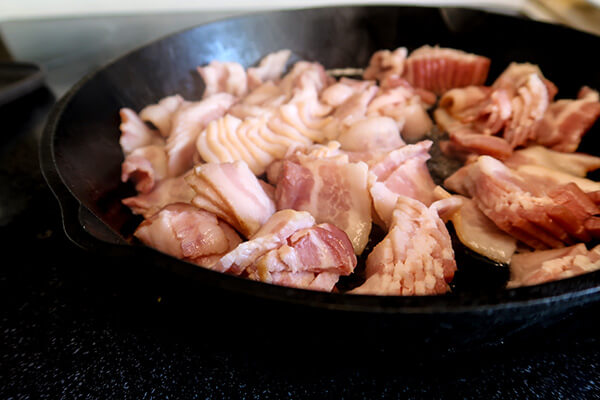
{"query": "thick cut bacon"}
[(305, 75), (232, 193), (331, 189), (385, 65), (183, 231), (414, 258), (187, 123), (145, 166), (517, 74), (549, 178), (371, 133), (402, 172), (540, 215), (270, 68), (224, 77), (160, 114), (135, 133), (548, 265), (577, 164), (291, 250), (259, 102), (440, 69), (168, 191), (566, 121)]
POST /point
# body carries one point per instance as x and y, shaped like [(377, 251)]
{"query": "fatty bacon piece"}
[(385, 65), (168, 191), (414, 258), (402, 172), (332, 189), (291, 250), (440, 69), (539, 214), (145, 166), (566, 121), (135, 133), (232, 193), (549, 265), (160, 114), (371, 134), (183, 231), (270, 68), (576, 164), (187, 123), (224, 77)]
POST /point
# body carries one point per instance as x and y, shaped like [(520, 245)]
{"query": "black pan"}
[(81, 157)]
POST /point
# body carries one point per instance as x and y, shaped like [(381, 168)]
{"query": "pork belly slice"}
[(566, 121), (168, 191), (291, 250), (402, 172), (414, 258), (517, 74), (385, 65), (537, 267), (539, 214), (232, 193), (135, 133), (440, 69), (371, 134), (185, 232), (145, 166), (270, 68), (187, 123), (577, 164), (332, 189), (224, 77), (160, 114)]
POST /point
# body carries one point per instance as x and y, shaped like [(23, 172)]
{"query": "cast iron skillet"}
[(81, 157)]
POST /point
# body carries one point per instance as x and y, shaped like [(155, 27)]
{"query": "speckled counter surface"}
[(76, 326)]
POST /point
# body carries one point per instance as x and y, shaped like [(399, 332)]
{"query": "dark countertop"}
[(76, 326)]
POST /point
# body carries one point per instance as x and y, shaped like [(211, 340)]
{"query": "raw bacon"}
[(270, 68), (145, 166), (577, 164), (135, 133), (224, 77), (160, 114)]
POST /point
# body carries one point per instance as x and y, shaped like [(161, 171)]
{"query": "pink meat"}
[(517, 74), (371, 134), (270, 68), (385, 65), (232, 193), (161, 114), (145, 166), (577, 164), (440, 69), (414, 258), (135, 133), (168, 191), (183, 231), (224, 77), (566, 121), (548, 265)]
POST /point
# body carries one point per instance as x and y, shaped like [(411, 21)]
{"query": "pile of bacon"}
[(280, 178)]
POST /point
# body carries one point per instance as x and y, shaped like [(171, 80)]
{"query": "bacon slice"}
[(517, 74), (540, 215), (440, 69), (187, 123), (224, 77), (370, 134), (291, 250), (385, 65), (232, 193), (145, 166), (333, 190), (414, 258), (135, 133), (183, 231), (168, 191), (537, 267), (270, 68), (160, 114), (566, 121), (577, 164)]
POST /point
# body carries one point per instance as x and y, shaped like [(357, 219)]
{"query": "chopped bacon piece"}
[(333, 190), (187, 123), (371, 133), (291, 250), (260, 101), (537, 267), (160, 114), (551, 177), (540, 215), (168, 191), (517, 74), (232, 193), (135, 133), (305, 75), (224, 77), (577, 164), (336, 94), (415, 257), (566, 121), (270, 68), (440, 69), (145, 166), (385, 65), (183, 231)]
